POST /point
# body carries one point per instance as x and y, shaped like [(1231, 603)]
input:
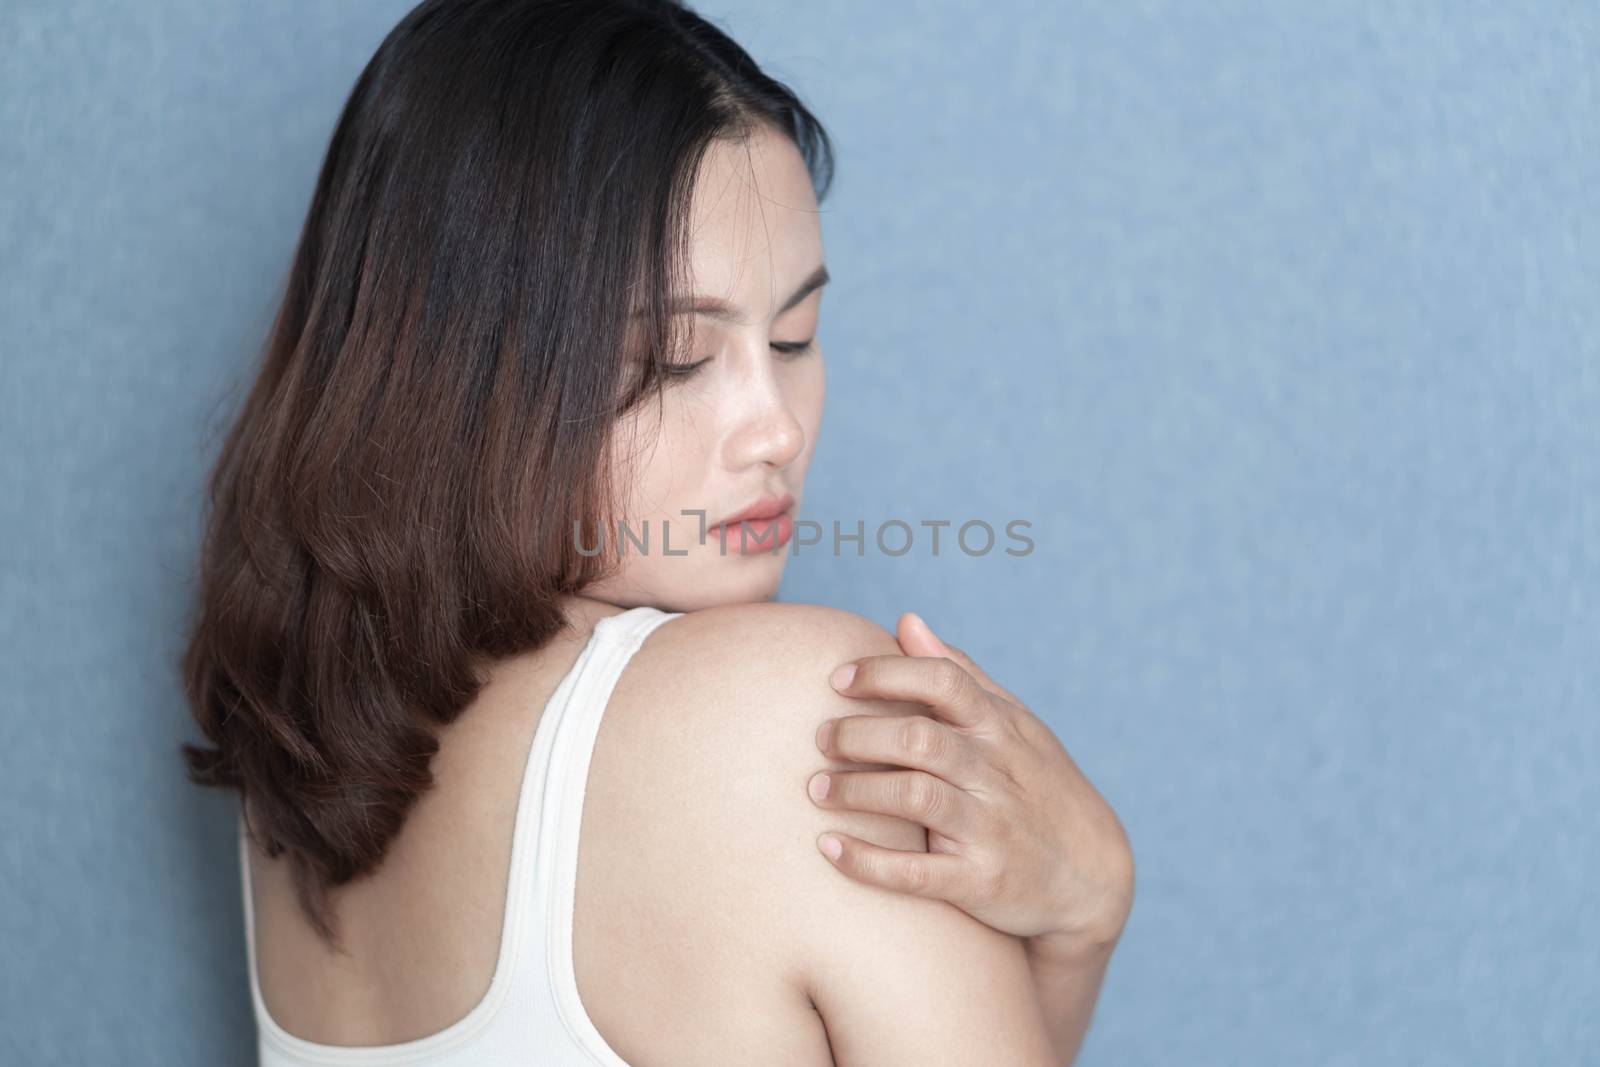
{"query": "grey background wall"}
[(1277, 321)]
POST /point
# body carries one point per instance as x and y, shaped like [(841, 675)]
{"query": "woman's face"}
[(738, 429)]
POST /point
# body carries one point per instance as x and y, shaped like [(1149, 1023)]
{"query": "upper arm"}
[(896, 978)]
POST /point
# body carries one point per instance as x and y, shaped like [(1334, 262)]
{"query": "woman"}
[(561, 278)]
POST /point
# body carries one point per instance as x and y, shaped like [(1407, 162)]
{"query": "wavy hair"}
[(392, 507)]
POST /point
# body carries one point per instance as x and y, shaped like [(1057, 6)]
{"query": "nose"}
[(767, 429)]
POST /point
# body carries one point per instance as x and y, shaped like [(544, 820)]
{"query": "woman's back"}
[(705, 927)]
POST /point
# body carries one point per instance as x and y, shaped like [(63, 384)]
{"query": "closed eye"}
[(792, 348)]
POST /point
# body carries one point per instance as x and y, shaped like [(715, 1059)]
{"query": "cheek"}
[(664, 457), (635, 442), (808, 395)]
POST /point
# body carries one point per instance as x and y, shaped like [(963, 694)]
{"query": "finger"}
[(941, 684), (914, 795), (924, 874), (916, 638), (914, 632), (914, 741)]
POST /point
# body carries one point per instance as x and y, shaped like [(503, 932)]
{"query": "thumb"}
[(918, 639)]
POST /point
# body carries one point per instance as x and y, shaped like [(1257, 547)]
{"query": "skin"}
[(974, 930), (1024, 842), (1017, 836), (744, 425)]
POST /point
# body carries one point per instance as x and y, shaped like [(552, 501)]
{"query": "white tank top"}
[(532, 1013)]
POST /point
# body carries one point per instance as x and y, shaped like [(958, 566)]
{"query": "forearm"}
[(1067, 980)]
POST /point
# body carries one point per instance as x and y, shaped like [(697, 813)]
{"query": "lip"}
[(768, 507)]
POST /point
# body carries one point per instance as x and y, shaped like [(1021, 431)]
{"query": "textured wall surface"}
[(1277, 321)]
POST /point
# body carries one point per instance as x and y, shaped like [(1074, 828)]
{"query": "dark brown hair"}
[(393, 507)]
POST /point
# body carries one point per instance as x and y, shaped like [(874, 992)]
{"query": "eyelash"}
[(791, 349)]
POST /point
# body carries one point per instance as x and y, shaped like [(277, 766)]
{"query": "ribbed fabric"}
[(532, 1013)]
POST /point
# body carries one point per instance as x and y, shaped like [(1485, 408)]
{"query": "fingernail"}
[(824, 735), (819, 786), (830, 846), (843, 676)]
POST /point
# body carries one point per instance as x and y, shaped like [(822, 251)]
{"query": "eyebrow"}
[(718, 309)]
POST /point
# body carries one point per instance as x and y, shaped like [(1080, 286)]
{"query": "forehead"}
[(754, 228)]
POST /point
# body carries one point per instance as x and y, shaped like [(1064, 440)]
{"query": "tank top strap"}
[(533, 994), (550, 888), (634, 625)]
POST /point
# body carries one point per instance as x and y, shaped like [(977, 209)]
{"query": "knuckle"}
[(922, 738), (921, 796), (916, 875), (871, 867), (949, 679)]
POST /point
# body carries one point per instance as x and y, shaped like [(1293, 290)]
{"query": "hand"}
[(1017, 837)]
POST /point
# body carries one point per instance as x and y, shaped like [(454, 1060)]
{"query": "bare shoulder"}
[(719, 709), (710, 742), (776, 635), (742, 690)]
